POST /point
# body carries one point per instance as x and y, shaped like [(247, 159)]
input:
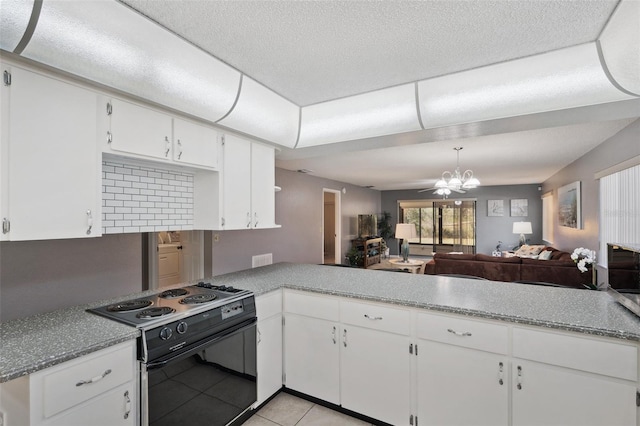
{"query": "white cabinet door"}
[(113, 408), (375, 377), (269, 357), (460, 386), (262, 186), (4, 158), (312, 363), (237, 183), (195, 144), (548, 395), (54, 172), (139, 130)]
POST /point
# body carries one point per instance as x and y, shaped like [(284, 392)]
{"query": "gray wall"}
[(41, 276), (620, 147), (489, 230), (299, 209)]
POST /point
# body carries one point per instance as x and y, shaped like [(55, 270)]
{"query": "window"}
[(619, 209), (445, 225)]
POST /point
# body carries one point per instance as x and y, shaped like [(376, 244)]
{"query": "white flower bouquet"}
[(583, 257)]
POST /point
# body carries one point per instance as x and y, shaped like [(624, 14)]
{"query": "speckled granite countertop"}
[(33, 343)]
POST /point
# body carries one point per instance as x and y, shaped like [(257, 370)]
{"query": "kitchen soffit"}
[(314, 51)]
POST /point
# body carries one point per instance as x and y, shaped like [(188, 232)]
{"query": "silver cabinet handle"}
[(519, 378), (372, 318), (94, 379), (109, 137), (255, 220), (6, 225), (180, 148), (333, 335), (89, 222), (248, 220), (344, 337), (259, 335), (167, 146), (127, 405), (459, 333), (501, 373)]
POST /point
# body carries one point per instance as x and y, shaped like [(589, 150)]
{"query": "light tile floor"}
[(289, 410)]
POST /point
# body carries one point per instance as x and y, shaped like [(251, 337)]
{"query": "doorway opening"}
[(331, 227), (175, 257)]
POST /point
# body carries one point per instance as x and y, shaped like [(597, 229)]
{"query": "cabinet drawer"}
[(377, 317), (581, 353), (60, 384), (464, 332), (322, 307), (268, 305)]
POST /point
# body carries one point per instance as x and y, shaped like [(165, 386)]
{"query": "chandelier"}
[(456, 181)]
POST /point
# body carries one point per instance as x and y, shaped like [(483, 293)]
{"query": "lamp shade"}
[(522, 228), (405, 231)]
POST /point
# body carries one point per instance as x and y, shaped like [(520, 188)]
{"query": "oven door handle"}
[(202, 344)]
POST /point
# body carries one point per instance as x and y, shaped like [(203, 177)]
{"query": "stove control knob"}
[(165, 333), (181, 328)]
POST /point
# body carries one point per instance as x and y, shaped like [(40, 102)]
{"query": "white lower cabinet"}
[(375, 376), (568, 379), (96, 389), (312, 357), (460, 386), (549, 395), (462, 371), (269, 344)]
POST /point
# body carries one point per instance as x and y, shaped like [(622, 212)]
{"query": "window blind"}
[(619, 209)]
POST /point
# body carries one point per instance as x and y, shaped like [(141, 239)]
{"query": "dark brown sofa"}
[(560, 269)]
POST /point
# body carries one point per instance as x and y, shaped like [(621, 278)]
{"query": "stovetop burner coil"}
[(198, 298), (130, 305), (173, 293), (155, 312)]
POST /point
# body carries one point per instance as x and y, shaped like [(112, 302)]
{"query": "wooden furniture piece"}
[(370, 250)]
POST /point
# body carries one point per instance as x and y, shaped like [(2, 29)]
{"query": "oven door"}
[(211, 383)]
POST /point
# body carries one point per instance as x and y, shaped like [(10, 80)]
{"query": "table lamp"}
[(522, 228), (405, 231)]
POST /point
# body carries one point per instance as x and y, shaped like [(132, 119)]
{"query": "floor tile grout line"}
[(306, 412)]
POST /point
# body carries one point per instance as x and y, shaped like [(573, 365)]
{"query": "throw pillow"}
[(544, 255), (528, 251)]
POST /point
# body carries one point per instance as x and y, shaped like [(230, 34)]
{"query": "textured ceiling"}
[(510, 158), (313, 51)]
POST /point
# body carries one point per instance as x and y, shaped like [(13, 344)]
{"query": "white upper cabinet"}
[(138, 130), (50, 185), (195, 144), (263, 182), (236, 183), (248, 185)]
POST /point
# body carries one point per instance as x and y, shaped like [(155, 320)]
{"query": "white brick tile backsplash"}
[(145, 199)]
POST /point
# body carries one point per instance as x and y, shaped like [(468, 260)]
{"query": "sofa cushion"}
[(549, 263), (454, 256), (496, 259)]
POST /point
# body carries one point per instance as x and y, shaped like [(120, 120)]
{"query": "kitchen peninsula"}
[(524, 338)]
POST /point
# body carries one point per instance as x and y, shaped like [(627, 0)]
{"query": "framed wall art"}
[(495, 208), (520, 207), (569, 206)]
